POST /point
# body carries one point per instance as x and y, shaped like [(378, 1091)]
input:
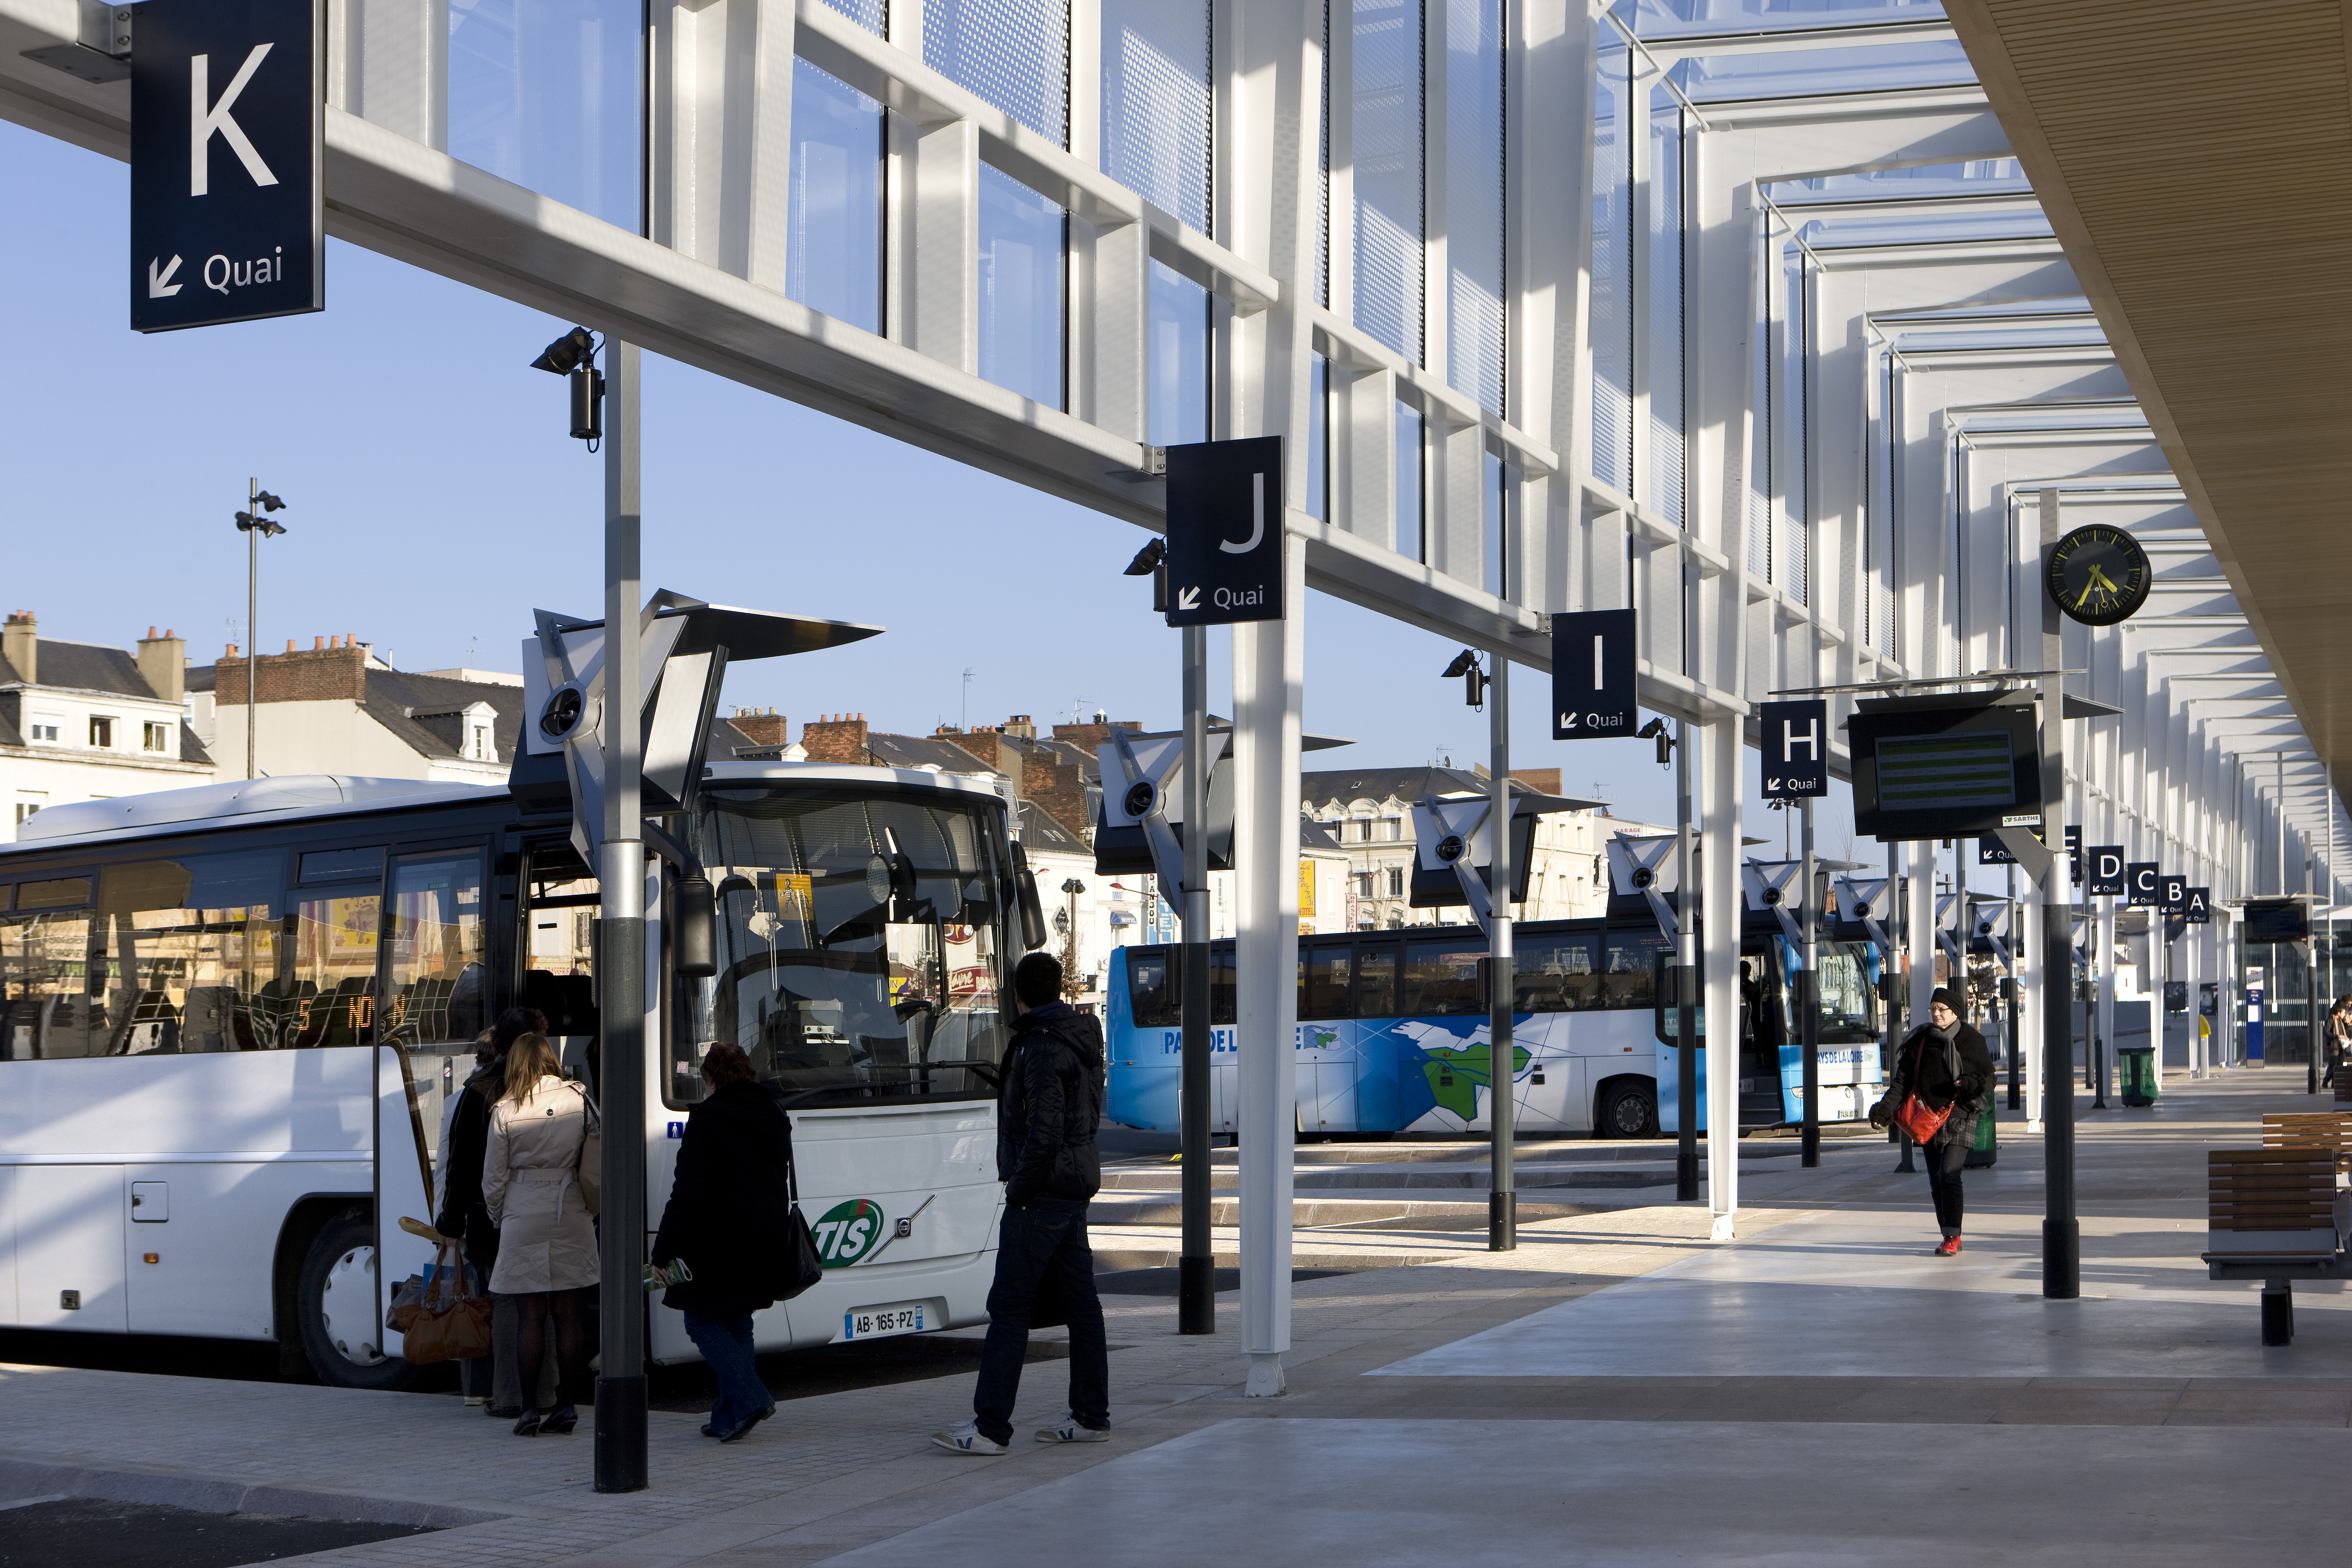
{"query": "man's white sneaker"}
[(1067, 1430), (967, 1438)]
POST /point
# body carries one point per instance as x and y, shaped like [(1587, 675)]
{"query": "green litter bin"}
[(2136, 1072), (1986, 1147)]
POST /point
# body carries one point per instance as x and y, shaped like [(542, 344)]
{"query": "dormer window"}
[(155, 738), (101, 731), (44, 727)]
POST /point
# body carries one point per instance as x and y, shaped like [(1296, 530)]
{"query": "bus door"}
[(1327, 1074), (1225, 1057), (1380, 1101), (556, 951), (1763, 1031), (435, 979)]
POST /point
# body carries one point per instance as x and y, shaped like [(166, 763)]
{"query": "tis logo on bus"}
[(847, 1232)]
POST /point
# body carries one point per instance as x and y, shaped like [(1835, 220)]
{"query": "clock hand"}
[(2099, 576)]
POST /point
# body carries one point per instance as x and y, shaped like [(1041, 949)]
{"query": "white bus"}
[(230, 1018)]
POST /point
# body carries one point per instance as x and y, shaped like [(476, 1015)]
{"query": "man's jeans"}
[(1042, 1247), (725, 1344)]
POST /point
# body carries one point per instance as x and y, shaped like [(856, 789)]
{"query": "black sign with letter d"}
[(1796, 748), (228, 118), (1224, 532), (1592, 695)]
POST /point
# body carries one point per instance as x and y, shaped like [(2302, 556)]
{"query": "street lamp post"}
[(254, 525)]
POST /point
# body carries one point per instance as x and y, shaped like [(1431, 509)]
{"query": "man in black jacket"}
[(1048, 1104)]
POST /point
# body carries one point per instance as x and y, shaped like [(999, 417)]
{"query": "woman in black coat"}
[(728, 1221), (1947, 1063)]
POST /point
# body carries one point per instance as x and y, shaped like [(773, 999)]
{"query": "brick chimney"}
[(164, 663), (1089, 736), (1021, 725), (321, 673), (1059, 790), (1543, 781), (836, 738), (20, 645), (991, 747), (763, 727)]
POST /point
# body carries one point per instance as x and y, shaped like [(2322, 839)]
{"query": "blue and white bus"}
[(1393, 1037)]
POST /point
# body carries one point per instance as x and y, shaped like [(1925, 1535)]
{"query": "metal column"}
[(1720, 773), (1268, 676), (621, 956), (1684, 977), (1809, 1008), (1196, 1264), (2062, 1233), (1502, 1198)]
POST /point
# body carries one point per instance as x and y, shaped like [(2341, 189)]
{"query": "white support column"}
[(1721, 855), (943, 299), (1364, 454), (1919, 923), (388, 62), (2030, 1000), (720, 166), (1269, 673), (1454, 529), (1111, 319)]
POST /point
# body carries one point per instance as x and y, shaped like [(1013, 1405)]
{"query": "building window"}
[(46, 729), (101, 731), (26, 809), (1363, 884), (1396, 881), (1363, 826), (155, 738), (481, 742), (1392, 829)]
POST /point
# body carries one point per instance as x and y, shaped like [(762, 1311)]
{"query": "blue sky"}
[(434, 501)]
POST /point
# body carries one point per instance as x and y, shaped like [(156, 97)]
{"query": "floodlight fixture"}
[(246, 522), (567, 353), (1473, 679), (269, 502), (1147, 560), (1655, 729), (574, 355)]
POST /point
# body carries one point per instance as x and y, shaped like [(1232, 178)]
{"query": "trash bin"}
[(1985, 1149), (2136, 1074)]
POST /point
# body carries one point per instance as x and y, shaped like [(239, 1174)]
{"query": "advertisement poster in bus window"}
[(1306, 897), (351, 925)]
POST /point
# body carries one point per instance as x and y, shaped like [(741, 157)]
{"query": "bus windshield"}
[(859, 942), (1849, 983)]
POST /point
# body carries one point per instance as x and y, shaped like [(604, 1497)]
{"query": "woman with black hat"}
[(1946, 1064)]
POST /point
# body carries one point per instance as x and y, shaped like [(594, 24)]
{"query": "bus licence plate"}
[(879, 1322)]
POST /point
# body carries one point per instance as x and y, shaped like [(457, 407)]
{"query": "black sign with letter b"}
[(1796, 748), (1592, 687)]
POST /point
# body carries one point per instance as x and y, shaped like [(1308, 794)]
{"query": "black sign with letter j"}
[(1224, 532), (1796, 748), (1592, 686), (228, 118)]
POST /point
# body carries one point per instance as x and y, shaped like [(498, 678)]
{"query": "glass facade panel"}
[(1613, 265), (1390, 264), (549, 94), (1409, 487), (1021, 246), (1155, 103), (1318, 437), (1663, 374), (833, 259), (1496, 501), (1474, 199), (1013, 53), (1179, 359)]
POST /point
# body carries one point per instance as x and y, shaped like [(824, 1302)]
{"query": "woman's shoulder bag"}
[(589, 1170), (800, 1266), (1915, 1115)]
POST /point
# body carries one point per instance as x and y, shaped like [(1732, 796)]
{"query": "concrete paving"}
[(1619, 1390)]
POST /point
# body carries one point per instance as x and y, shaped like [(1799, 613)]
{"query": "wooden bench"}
[(2276, 1215), (2328, 1129)]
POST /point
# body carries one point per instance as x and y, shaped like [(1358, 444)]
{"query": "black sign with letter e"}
[(1796, 748), (1592, 687), (2171, 893), (2107, 880), (2197, 908), (2139, 884), (2074, 856), (1224, 532), (227, 119)]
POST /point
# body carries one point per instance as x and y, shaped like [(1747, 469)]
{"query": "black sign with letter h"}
[(1593, 684), (227, 119), (1796, 748), (1225, 532)]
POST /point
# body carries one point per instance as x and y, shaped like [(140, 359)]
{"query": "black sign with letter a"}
[(2197, 908), (1592, 694), (1225, 532), (227, 120), (1796, 748)]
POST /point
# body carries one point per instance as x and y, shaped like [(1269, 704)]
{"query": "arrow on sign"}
[(1188, 598), (160, 286)]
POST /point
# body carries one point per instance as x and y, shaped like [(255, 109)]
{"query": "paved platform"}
[(1619, 1389)]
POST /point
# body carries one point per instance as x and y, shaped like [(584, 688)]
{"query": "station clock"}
[(2099, 574)]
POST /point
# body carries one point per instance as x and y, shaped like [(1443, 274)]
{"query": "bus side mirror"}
[(1031, 907), (695, 947)]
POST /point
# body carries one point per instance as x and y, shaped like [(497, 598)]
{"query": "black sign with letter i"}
[(1592, 684), (1796, 748), (227, 122)]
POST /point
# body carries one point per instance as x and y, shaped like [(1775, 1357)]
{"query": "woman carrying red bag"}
[(1942, 1073)]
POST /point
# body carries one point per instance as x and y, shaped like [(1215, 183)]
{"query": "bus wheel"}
[(1628, 1109), (336, 1309)]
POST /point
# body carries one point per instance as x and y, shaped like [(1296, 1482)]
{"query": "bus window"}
[(1376, 982), (1222, 1008), (1442, 977), (325, 995), (1323, 982), (434, 936), (558, 943), (1629, 967), (1849, 1006), (186, 943), (1556, 974), (45, 967), (1154, 1002)]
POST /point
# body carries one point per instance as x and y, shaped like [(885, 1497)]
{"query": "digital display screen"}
[(1927, 773), (2270, 920)]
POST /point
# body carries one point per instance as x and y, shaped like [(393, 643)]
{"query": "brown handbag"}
[(1915, 1115)]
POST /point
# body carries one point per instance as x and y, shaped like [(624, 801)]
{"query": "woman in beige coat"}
[(546, 1249)]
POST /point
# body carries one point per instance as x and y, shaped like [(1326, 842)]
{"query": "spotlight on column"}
[(1655, 729), (1473, 679), (574, 354), (1151, 561)]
